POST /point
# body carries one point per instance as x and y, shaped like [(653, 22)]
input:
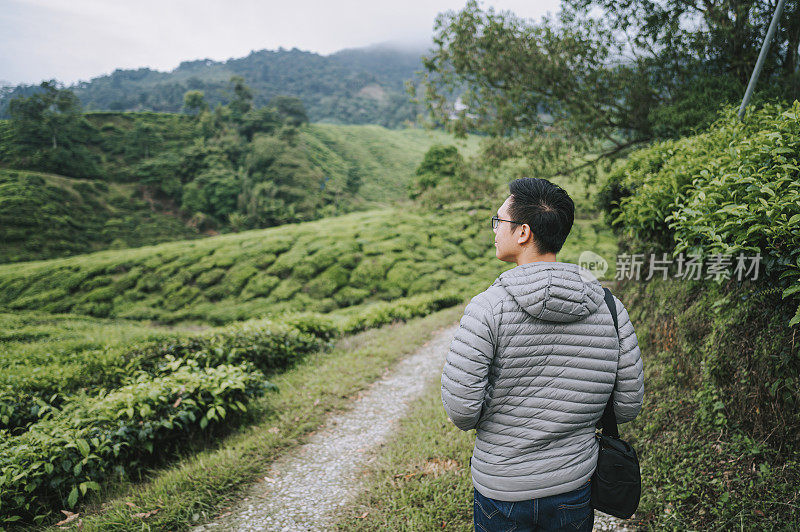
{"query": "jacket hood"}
[(554, 291)]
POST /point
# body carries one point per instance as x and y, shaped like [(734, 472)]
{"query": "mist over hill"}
[(352, 86)]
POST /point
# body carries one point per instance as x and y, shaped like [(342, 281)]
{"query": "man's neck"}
[(527, 258)]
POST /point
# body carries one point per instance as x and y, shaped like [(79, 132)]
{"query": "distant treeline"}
[(359, 86)]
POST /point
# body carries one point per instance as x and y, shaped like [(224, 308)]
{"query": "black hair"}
[(546, 208)]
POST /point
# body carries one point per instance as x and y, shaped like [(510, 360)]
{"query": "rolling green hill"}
[(315, 266), (386, 158), (46, 215)]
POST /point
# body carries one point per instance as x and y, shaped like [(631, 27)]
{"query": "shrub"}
[(733, 189), (382, 313), (349, 296), (370, 271), (260, 285), (58, 460), (28, 392), (210, 277)]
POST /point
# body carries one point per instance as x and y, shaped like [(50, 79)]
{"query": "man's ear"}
[(525, 236)]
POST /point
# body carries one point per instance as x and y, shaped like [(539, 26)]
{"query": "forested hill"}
[(355, 86)]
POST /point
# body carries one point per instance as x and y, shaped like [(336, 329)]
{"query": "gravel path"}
[(304, 489)]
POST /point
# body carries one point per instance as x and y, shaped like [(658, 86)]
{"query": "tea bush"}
[(719, 431), (72, 445), (728, 362), (27, 392), (733, 189), (61, 458)]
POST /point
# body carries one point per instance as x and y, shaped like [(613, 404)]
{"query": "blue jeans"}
[(566, 511)]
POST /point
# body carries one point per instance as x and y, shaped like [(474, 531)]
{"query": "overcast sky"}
[(72, 40)]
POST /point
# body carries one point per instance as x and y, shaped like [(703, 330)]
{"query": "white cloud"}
[(79, 39)]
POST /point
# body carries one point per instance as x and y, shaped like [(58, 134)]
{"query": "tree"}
[(291, 109), (161, 174), (242, 99), (440, 163), (51, 134), (280, 185), (263, 120), (214, 192), (723, 36), (354, 179), (443, 177), (602, 76), (194, 102), (141, 140)]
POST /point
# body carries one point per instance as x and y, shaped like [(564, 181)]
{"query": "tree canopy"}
[(50, 133), (601, 76)]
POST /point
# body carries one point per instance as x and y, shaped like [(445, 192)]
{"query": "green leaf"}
[(791, 290), (796, 319), (204, 422), (83, 447), (73, 497)]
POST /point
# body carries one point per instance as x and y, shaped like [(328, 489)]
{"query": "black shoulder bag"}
[(617, 481)]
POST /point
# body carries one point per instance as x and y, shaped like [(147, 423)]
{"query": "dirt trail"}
[(304, 489)]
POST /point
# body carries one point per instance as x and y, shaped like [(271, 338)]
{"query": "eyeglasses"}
[(496, 221)]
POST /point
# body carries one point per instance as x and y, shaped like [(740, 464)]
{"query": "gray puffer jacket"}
[(531, 368)]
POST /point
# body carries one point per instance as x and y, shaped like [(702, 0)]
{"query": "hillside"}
[(315, 266), (45, 215), (387, 159), (357, 86)]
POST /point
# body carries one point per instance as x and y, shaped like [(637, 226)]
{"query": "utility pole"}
[(761, 56)]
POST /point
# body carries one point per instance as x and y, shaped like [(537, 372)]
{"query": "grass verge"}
[(203, 483)]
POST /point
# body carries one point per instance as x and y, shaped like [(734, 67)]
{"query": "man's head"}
[(541, 215)]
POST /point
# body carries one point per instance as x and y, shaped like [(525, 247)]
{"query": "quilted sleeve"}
[(466, 370), (629, 387)]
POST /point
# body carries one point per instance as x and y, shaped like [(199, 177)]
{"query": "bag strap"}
[(609, 421)]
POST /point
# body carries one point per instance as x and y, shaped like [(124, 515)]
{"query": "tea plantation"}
[(317, 266), (111, 355)]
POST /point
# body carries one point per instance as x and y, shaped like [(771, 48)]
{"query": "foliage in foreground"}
[(58, 459), (82, 439), (720, 434), (733, 189), (548, 88), (30, 388), (203, 484)]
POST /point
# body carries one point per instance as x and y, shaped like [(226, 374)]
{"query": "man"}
[(531, 369)]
